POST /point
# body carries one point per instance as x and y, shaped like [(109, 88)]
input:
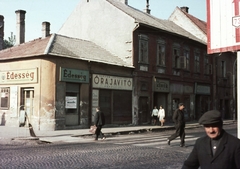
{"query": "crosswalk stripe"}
[(146, 141)]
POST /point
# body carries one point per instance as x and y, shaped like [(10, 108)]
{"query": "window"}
[(4, 102), (185, 59), (196, 61), (161, 52), (176, 56), (143, 49), (207, 66), (27, 96), (223, 68)]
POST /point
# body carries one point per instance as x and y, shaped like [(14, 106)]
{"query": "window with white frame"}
[(143, 49), (161, 52), (196, 61), (176, 56), (5, 99)]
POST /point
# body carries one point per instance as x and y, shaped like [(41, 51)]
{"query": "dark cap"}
[(211, 117)]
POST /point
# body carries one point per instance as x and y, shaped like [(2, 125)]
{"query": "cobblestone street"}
[(140, 151)]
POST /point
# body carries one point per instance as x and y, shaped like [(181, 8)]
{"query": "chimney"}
[(45, 29), (1, 32), (185, 9), (147, 10), (20, 33), (124, 1)]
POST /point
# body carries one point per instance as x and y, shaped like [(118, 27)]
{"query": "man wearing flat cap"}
[(178, 118), (216, 150)]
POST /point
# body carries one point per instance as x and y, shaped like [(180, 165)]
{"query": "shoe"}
[(182, 145), (95, 139), (168, 142), (104, 138)]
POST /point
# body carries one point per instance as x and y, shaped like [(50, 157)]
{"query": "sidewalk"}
[(8, 133)]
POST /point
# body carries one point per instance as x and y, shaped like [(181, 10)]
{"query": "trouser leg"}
[(98, 132), (175, 135), (182, 136)]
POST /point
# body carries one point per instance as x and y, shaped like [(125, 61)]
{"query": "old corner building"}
[(59, 79), (59, 89)]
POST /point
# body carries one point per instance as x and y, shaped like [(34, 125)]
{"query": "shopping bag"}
[(93, 129)]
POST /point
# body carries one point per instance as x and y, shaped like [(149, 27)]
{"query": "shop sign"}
[(111, 82), (200, 89), (161, 85), (74, 75), (176, 88), (19, 76), (188, 89), (71, 102)]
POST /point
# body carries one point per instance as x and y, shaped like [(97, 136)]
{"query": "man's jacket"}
[(227, 155)]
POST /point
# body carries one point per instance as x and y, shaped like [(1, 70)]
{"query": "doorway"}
[(143, 110), (72, 104)]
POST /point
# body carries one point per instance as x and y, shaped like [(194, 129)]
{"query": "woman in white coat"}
[(161, 115)]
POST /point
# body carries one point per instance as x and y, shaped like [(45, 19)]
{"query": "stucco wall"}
[(90, 21), (179, 18), (12, 115)]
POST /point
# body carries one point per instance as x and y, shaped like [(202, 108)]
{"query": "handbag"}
[(93, 129)]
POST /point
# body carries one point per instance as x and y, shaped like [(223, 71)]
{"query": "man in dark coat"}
[(178, 118), (216, 150), (99, 121)]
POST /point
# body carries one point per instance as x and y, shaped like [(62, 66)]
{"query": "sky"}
[(57, 11)]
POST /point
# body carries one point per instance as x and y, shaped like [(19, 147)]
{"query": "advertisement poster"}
[(71, 102)]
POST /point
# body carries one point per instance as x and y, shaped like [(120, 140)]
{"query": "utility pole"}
[(234, 90)]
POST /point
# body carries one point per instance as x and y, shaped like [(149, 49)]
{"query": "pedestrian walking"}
[(155, 115), (161, 115), (178, 118), (218, 149), (99, 121)]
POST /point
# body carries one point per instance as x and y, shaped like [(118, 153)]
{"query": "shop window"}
[(4, 102), (122, 114)]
